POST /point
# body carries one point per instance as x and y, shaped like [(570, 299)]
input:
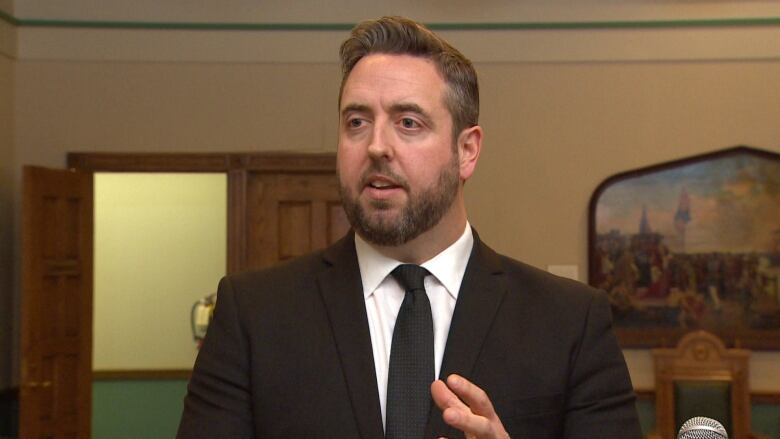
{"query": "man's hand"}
[(467, 408)]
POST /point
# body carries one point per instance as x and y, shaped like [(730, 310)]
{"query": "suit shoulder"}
[(286, 273), (540, 282)]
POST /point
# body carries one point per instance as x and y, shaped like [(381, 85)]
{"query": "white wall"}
[(160, 245)]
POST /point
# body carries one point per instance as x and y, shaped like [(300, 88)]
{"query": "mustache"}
[(381, 168)]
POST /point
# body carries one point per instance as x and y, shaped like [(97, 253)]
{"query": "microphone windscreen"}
[(702, 428)]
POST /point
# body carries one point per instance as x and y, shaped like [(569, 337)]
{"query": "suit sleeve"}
[(601, 399), (218, 403)]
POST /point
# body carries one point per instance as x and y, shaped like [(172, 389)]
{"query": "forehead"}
[(390, 78)]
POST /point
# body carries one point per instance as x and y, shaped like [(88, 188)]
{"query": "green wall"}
[(151, 409), (646, 410), (148, 409), (765, 418)]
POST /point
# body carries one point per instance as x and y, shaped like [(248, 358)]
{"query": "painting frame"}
[(664, 282)]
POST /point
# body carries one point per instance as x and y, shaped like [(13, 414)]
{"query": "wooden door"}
[(56, 313), (291, 214)]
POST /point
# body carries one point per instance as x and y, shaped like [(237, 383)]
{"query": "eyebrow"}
[(355, 108), (402, 107), (410, 107)]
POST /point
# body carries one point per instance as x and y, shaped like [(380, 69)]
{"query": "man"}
[(340, 344)]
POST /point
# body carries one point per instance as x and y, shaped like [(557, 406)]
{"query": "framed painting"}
[(691, 244)]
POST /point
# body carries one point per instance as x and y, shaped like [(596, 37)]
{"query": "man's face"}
[(397, 164)]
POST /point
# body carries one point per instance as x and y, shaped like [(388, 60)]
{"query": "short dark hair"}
[(399, 35)]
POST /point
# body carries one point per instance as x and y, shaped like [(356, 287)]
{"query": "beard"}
[(423, 210)]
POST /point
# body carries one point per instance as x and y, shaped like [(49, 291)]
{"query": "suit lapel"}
[(481, 292), (342, 292)]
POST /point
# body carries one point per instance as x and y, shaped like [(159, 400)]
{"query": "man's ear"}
[(469, 146)]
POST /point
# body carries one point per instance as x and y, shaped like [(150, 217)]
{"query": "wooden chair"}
[(700, 377)]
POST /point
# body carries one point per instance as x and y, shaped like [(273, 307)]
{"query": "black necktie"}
[(411, 370)]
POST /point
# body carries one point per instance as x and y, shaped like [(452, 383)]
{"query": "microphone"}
[(702, 428)]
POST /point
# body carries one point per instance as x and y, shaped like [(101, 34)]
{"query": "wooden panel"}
[(338, 225), (201, 162), (49, 227), (237, 220), (56, 312), (149, 162), (290, 214), (66, 377), (71, 321), (69, 229), (295, 229), (45, 393)]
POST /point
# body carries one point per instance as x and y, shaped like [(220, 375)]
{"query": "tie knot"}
[(410, 276)]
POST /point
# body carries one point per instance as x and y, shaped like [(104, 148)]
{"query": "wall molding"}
[(452, 26), (141, 375), (201, 162), (646, 394), (321, 27), (662, 39), (8, 18), (7, 36)]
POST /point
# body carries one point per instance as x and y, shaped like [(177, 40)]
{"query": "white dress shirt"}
[(383, 295)]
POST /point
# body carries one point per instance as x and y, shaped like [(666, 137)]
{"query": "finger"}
[(467, 422), (444, 397), (457, 414), (472, 395)]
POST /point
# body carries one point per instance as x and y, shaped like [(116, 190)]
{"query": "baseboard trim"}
[(755, 397), (146, 374)]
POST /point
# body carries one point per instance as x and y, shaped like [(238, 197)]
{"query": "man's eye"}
[(409, 123), (355, 123)]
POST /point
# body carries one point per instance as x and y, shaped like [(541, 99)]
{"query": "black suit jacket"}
[(288, 354)]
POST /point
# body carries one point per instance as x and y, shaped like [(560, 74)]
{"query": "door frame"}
[(237, 165)]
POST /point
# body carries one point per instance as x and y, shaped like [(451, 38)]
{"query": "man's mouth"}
[(382, 185), (381, 181)]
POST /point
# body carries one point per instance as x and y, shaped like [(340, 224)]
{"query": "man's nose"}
[(381, 144)]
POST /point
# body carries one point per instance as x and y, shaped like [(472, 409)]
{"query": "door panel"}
[(291, 214), (56, 314)]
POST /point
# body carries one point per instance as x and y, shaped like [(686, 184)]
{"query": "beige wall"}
[(554, 130), (65, 106), (562, 110)]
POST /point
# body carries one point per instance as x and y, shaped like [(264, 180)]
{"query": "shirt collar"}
[(448, 266)]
